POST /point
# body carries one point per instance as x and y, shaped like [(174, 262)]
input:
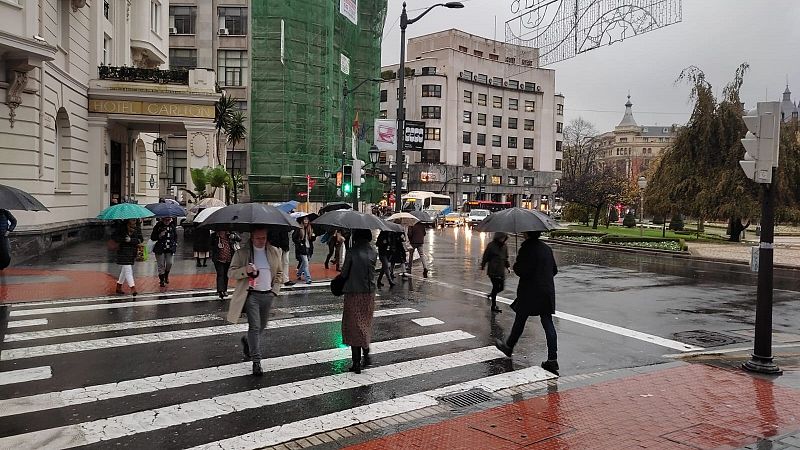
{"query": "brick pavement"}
[(694, 406)]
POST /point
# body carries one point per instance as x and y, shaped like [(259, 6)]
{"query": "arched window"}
[(63, 151)]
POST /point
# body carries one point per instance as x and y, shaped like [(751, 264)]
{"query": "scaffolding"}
[(296, 90)]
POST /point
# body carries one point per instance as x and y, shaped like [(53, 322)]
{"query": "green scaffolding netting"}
[(296, 92)]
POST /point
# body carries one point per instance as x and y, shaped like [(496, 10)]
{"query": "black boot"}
[(166, 277), (198, 262), (551, 365), (356, 367), (366, 360), (503, 347), (245, 348), (204, 262), (257, 370), (161, 280)]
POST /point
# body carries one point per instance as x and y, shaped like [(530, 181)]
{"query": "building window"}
[(558, 164), (481, 139), (481, 119), (430, 156), (494, 57), (466, 178), (384, 114), (559, 127), (233, 21), (497, 121), (497, 179), (527, 62), (495, 161), (483, 78), (558, 146), (461, 48), (513, 84), (560, 110), (527, 143), (497, 102), (429, 70), (467, 96), (236, 162), (527, 181), (511, 162), (466, 74), (107, 9), (176, 166), (530, 106), (481, 99), (510, 60), (182, 58), (431, 112), (527, 163), (623, 139), (497, 81), (433, 134), (481, 159), (512, 142), (478, 53), (530, 86), (431, 90), (466, 160), (232, 67), (106, 50), (512, 123), (384, 95), (182, 19), (513, 104), (528, 125), (512, 181), (241, 105), (466, 137), (155, 16), (467, 116), (497, 141), (397, 93)]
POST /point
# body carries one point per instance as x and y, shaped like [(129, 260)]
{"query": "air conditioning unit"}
[(173, 30), (223, 31)]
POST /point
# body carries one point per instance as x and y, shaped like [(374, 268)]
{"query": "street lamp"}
[(374, 155), (159, 145), (401, 113), (642, 185)]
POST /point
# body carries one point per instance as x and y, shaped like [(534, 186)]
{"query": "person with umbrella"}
[(358, 271), (222, 248), (386, 247), (496, 258), (165, 235), (7, 224), (128, 239), (256, 267), (201, 245), (304, 247)]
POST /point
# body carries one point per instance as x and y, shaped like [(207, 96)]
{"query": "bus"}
[(469, 205), (422, 200)]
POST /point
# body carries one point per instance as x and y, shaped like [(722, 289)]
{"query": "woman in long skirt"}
[(359, 297)]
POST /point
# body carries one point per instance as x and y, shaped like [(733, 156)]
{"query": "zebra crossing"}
[(167, 372)]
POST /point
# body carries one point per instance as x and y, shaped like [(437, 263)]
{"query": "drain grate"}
[(705, 338), (468, 398)]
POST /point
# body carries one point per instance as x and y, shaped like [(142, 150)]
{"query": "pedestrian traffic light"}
[(761, 142), (358, 172), (347, 179)]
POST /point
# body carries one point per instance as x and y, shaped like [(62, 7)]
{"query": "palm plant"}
[(224, 112)]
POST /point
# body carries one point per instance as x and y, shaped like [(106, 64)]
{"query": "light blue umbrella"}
[(166, 209), (287, 207), (125, 211)]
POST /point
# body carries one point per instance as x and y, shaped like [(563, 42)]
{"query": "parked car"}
[(476, 216), (453, 219)]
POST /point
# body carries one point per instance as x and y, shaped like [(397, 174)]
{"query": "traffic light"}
[(761, 142), (358, 172), (347, 179)]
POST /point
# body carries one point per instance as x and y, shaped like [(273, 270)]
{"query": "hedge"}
[(610, 239), (572, 233)]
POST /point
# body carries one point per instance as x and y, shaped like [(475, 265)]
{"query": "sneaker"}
[(551, 365), (245, 348), (308, 281), (257, 370), (289, 283), (503, 347)]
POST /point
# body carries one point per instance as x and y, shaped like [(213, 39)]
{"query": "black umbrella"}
[(245, 216), (334, 207), (353, 220), (166, 209), (15, 199), (517, 220)]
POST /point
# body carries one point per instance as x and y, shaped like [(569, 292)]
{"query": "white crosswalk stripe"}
[(25, 375), (27, 323)]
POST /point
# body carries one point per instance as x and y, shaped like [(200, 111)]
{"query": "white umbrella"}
[(207, 203), (203, 215), (403, 218)]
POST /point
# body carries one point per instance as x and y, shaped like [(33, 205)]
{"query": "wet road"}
[(164, 371)]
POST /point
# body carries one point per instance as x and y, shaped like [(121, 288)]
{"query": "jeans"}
[(126, 275), (549, 333), (164, 262), (305, 269), (222, 275), (417, 248), (498, 284), (257, 306), (386, 269)]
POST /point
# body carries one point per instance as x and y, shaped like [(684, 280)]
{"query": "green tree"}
[(236, 130), (223, 114), (206, 177)]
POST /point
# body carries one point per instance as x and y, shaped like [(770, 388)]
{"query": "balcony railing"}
[(125, 73)]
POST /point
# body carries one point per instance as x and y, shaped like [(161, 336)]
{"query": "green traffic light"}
[(347, 188)]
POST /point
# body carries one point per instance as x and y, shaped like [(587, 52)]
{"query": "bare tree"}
[(580, 149)]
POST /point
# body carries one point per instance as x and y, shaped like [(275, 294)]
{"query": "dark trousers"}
[(549, 333), (498, 284), (257, 308), (222, 275), (386, 269)]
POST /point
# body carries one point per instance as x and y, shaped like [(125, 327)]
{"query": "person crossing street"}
[(416, 237), (496, 258)]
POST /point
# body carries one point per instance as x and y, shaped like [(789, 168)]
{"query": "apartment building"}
[(209, 34), (493, 122)]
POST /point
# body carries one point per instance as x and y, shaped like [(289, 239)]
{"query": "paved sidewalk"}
[(691, 406)]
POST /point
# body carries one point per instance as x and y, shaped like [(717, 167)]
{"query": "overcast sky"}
[(715, 35)]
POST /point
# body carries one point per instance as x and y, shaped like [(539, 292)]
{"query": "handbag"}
[(337, 285)]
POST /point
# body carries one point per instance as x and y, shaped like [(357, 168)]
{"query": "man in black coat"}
[(536, 296)]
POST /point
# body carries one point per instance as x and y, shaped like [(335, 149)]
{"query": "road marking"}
[(366, 413), (122, 341), (663, 342), (26, 323), (89, 394), (184, 413), (427, 321), (725, 350), (25, 375)]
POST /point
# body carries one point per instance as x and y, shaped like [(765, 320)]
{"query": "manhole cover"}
[(705, 338), (468, 398), (706, 436)]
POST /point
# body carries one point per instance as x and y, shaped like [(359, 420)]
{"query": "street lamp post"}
[(642, 185), (401, 112)]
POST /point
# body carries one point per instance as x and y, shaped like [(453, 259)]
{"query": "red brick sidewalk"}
[(25, 285), (692, 406)]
